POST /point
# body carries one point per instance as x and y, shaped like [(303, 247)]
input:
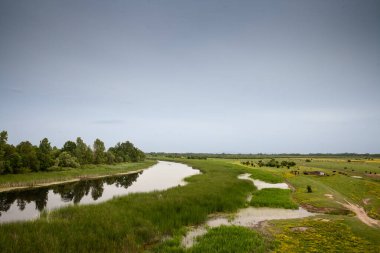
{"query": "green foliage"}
[(66, 160), (69, 147), (272, 197), (25, 157), (110, 157), (28, 155), (127, 152), (231, 239), (81, 151), (99, 152), (309, 190), (45, 155)]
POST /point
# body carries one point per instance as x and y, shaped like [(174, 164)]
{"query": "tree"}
[(110, 157), (66, 160), (44, 154), (126, 152), (99, 154), (69, 147), (89, 155), (28, 155), (3, 144), (80, 151), (309, 190)]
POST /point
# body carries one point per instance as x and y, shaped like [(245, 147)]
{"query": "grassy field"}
[(272, 197), (140, 222), (325, 234), (33, 178)]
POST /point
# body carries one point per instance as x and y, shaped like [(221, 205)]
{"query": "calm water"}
[(29, 203)]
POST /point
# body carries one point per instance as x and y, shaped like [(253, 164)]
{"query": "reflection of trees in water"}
[(68, 192), (76, 191), (23, 197)]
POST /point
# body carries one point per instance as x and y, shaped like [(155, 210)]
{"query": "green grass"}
[(134, 222), (342, 188), (230, 239), (33, 178), (272, 197), (327, 235)]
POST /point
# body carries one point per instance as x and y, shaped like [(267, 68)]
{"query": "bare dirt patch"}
[(361, 214)]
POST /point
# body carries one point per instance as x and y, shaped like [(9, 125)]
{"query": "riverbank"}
[(42, 179)]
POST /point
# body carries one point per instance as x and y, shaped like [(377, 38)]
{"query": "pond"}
[(27, 204)]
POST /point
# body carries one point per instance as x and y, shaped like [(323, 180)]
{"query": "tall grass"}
[(231, 239), (271, 197)]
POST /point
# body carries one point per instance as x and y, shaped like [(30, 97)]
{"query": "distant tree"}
[(127, 152), (110, 157), (89, 158), (80, 151), (69, 147), (3, 144), (99, 152), (28, 155), (65, 159), (309, 190), (45, 155)]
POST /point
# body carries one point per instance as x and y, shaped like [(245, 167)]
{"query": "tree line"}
[(27, 157)]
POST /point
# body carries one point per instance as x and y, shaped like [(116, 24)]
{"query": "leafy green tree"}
[(28, 155), (127, 152), (70, 147), (44, 154), (80, 151), (89, 155), (67, 160), (99, 152), (3, 144), (110, 157)]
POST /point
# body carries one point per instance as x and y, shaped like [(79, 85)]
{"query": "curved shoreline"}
[(40, 185)]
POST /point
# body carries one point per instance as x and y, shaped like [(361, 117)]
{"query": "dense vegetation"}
[(271, 163), (27, 157)]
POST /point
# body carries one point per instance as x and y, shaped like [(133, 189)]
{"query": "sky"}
[(219, 76)]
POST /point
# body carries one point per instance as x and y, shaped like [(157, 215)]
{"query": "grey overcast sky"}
[(201, 76)]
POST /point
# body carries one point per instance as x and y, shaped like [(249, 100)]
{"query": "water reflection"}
[(70, 192)]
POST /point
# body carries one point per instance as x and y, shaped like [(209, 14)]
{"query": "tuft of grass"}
[(272, 197), (230, 239)]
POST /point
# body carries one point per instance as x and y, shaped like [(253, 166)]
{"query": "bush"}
[(66, 160), (309, 190)]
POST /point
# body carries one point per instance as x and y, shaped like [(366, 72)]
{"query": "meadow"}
[(156, 221)]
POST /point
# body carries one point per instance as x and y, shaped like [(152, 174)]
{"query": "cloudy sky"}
[(201, 76)]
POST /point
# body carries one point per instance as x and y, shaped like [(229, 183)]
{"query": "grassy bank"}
[(34, 178)]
